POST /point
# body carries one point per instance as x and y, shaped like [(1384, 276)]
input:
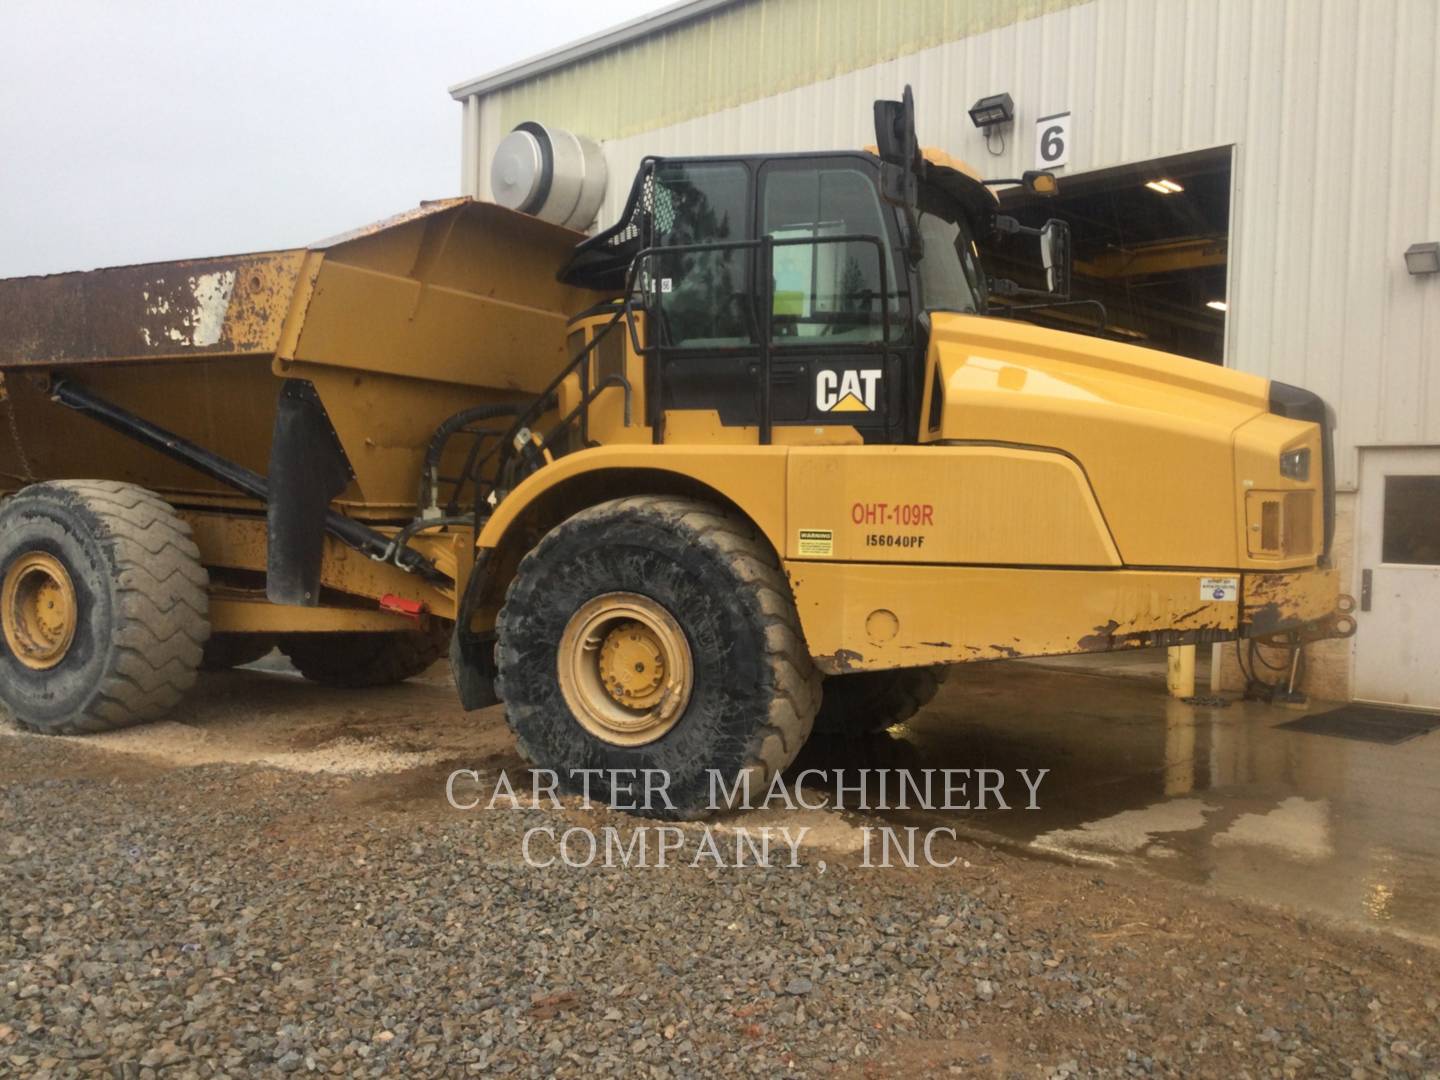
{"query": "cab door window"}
[(703, 297), (827, 291)]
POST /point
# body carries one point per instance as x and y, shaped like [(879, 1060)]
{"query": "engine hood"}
[(1154, 433)]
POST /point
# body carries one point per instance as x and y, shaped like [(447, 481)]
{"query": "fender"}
[(752, 478)]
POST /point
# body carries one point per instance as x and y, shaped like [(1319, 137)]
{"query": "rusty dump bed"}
[(397, 325)]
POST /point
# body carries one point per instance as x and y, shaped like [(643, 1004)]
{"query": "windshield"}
[(950, 274)]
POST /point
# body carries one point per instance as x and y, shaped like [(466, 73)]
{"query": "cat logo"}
[(846, 391)]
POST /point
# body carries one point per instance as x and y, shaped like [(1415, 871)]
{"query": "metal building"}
[(1302, 138)]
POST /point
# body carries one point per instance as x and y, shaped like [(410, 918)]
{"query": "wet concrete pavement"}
[(1216, 796)]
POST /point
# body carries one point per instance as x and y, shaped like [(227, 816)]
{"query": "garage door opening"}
[(1150, 243)]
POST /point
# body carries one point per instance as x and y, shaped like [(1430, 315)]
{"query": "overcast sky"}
[(139, 130)]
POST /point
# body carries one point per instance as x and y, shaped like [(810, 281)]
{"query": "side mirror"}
[(1055, 257), (900, 160), (895, 131)]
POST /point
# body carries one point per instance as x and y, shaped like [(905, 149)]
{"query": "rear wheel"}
[(871, 701), (103, 606), (362, 660), (656, 632), (226, 651)]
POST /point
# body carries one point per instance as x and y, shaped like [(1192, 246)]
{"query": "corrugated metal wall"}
[(1333, 107), (746, 51)]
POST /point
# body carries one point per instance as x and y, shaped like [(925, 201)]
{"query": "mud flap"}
[(472, 655), (308, 468), (472, 662)]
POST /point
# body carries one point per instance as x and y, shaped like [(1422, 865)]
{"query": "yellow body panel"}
[(859, 617), (467, 297), (951, 504), (251, 613), (863, 616), (1144, 426), (1011, 554), (752, 477), (385, 422), (1269, 503), (1278, 602)]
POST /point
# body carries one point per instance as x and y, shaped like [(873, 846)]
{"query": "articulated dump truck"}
[(760, 458)]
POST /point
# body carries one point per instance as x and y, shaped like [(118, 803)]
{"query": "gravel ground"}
[(221, 919)]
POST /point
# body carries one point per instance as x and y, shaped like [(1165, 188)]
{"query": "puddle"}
[(1217, 796)]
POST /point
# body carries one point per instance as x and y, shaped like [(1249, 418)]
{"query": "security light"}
[(1423, 258), (1164, 187), (1217, 305), (991, 111)]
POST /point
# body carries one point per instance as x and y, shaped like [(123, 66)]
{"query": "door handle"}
[(1365, 590)]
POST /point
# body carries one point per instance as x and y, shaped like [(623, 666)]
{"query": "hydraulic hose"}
[(430, 471)]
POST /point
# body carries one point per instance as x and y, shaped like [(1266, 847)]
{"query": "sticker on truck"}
[(846, 391), (1224, 589), (816, 542)]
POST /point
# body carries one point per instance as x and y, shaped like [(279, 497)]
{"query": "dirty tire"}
[(755, 690), (871, 701), (226, 651), (141, 606), (355, 661)]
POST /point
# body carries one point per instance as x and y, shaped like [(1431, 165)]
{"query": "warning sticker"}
[(817, 542), (1224, 589)]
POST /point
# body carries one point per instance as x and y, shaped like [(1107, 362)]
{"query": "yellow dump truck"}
[(761, 456)]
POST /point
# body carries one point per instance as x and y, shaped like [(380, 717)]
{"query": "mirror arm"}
[(914, 243), (1005, 225), (1031, 182)]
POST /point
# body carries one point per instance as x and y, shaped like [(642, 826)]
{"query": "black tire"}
[(226, 651), (141, 606), (754, 690), (871, 701), (356, 661)]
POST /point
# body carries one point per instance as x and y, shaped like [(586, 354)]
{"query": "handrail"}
[(584, 404), (542, 399)]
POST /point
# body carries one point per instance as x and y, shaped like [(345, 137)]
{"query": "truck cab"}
[(784, 297)]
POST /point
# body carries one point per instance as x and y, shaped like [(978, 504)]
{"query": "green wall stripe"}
[(742, 53)]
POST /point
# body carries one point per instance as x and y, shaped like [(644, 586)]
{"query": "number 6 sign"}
[(1052, 141)]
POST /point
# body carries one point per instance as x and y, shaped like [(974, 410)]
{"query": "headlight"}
[(1295, 464)]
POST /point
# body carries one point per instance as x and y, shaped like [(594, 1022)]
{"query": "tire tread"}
[(161, 605), (752, 562)]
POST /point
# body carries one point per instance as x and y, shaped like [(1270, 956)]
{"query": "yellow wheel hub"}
[(625, 668), (37, 610)]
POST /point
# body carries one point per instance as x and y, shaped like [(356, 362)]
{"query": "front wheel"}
[(656, 633)]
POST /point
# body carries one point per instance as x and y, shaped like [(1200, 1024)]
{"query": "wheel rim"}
[(38, 610), (625, 668)]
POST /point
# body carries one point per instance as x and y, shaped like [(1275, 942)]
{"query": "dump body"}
[(397, 325)]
